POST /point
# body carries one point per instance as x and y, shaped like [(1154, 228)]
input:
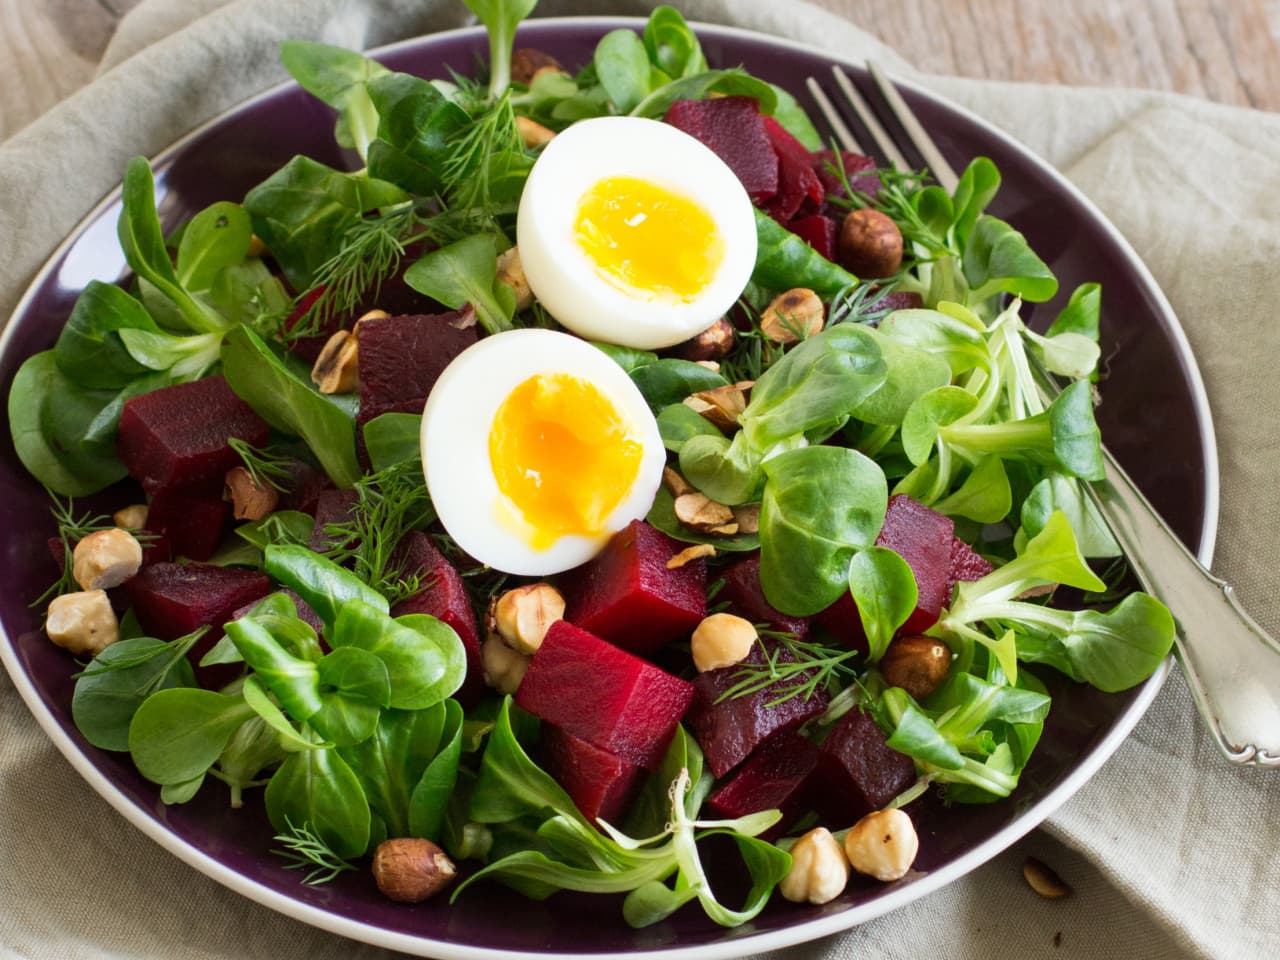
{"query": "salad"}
[(603, 467)]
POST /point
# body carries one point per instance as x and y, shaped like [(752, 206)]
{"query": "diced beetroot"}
[(444, 597), (402, 357), (730, 730), (303, 487), (600, 784), (966, 564), (177, 436), (305, 613), (172, 599), (858, 170), (797, 182), (191, 525), (332, 506), (900, 300), (818, 232), (627, 595), (772, 778), (922, 537), (604, 695), (58, 550), (734, 130), (308, 348), (746, 598), (858, 772)]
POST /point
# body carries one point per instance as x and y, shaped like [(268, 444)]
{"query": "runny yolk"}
[(645, 238), (562, 456)]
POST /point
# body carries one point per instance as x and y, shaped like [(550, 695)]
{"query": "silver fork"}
[(1231, 664)]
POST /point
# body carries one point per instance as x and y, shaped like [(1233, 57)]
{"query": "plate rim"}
[(730, 947)]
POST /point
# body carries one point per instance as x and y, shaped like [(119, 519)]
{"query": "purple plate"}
[(1155, 418)]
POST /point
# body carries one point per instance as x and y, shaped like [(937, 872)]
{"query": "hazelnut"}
[(882, 845), (793, 316), (504, 668), (722, 405), (250, 500), (1044, 880), (534, 134), (917, 664), (511, 273), (870, 244), (747, 517), (82, 623), (132, 517), (699, 512), (521, 617), (689, 554), (106, 559), (711, 344), (374, 314), (819, 870), (410, 869), (528, 62), (721, 640), (674, 482), (336, 370)]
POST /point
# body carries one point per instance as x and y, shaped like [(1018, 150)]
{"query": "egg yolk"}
[(562, 456), (646, 238)]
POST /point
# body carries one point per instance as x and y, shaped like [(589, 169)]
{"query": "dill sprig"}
[(71, 530), (482, 583), (389, 504), (800, 668), (753, 353), (173, 651), (306, 851), (859, 303), (265, 467)]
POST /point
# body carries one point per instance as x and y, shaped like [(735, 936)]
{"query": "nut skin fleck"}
[(411, 870), (1043, 880), (792, 316), (882, 845), (721, 640), (819, 869), (917, 664), (870, 245)]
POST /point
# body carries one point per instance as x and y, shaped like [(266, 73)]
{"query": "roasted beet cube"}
[(302, 487), (900, 300), (177, 436), (734, 130), (858, 772), (746, 598), (818, 232), (305, 613), (402, 357), (192, 525), (798, 185), (922, 537), (332, 506), (444, 597), (774, 777), (966, 564), (606, 696), (627, 595), (600, 784), (858, 170), (732, 728), (172, 599)]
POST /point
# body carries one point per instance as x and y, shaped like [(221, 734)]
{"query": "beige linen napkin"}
[(1171, 853)]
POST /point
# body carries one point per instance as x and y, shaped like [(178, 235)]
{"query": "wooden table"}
[(1225, 50)]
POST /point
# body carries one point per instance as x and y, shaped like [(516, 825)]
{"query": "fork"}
[(1231, 664)]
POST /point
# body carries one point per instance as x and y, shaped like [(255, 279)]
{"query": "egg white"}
[(459, 416), (565, 279)]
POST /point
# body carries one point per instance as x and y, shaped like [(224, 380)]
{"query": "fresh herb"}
[(265, 468), (793, 668), (306, 851), (71, 530)]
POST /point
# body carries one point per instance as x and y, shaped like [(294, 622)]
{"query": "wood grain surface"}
[(1225, 50)]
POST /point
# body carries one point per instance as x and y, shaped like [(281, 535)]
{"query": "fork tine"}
[(882, 139), (833, 118), (933, 157)]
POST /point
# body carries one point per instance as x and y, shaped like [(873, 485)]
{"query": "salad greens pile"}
[(361, 740)]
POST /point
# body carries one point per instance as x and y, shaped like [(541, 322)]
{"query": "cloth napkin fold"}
[(1170, 851)]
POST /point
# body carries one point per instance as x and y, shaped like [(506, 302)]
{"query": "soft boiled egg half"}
[(633, 232), (536, 448)]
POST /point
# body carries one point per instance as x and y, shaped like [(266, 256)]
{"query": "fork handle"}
[(1232, 665)]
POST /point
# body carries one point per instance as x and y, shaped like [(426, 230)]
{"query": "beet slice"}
[(730, 730), (922, 537), (608, 697), (798, 185), (191, 525), (746, 598), (858, 170), (858, 772), (966, 564), (177, 436), (444, 597), (818, 232), (735, 131), (627, 596), (332, 506), (900, 300), (774, 777), (303, 487), (172, 599), (600, 784), (402, 357)]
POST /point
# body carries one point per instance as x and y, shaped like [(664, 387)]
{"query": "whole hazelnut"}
[(711, 344), (410, 869), (870, 244), (917, 664)]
